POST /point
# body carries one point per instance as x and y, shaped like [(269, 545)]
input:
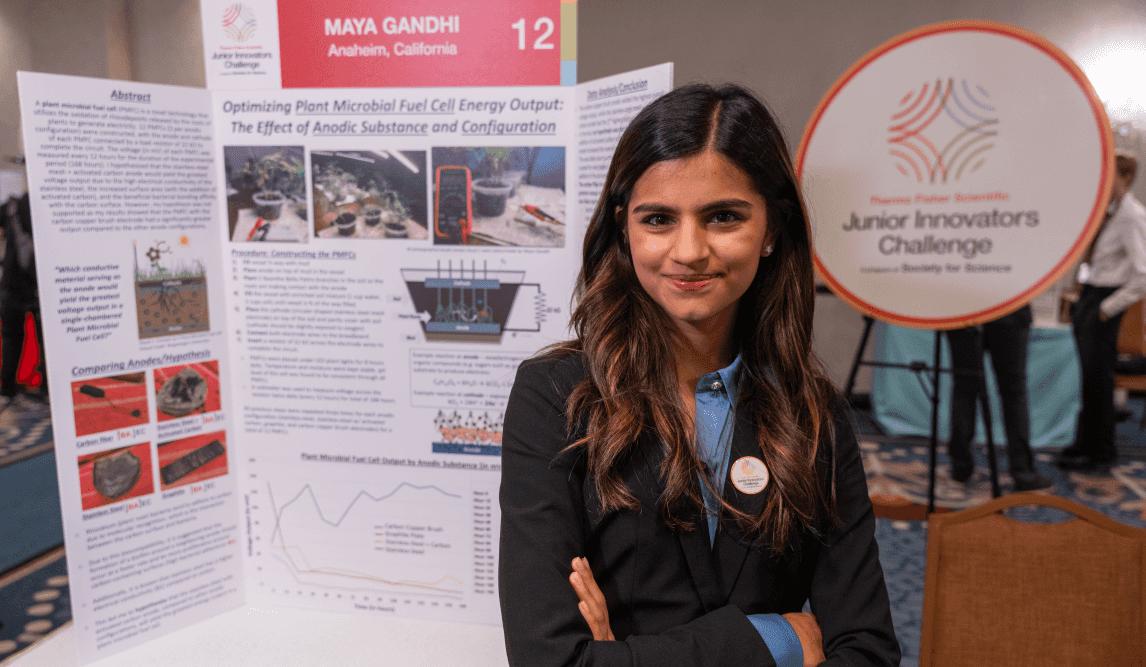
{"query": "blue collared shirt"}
[(715, 400)]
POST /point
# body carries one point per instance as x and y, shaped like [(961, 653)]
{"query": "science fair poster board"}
[(953, 173), (282, 328), (397, 43)]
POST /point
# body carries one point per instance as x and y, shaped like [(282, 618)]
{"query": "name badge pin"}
[(749, 475)]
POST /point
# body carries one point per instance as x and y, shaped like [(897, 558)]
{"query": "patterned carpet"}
[(33, 602), (34, 596), (25, 430), (897, 481)]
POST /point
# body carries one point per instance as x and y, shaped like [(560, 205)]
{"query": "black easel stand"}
[(920, 368)]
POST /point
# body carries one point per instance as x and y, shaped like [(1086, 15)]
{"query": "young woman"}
[(680, 478)]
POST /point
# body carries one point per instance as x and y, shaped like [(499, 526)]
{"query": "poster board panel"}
[(285, 347)]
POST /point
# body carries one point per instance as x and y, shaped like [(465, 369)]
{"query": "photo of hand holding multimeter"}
[(499, 196)]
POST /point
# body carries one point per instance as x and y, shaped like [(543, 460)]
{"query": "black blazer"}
[(673, 599)]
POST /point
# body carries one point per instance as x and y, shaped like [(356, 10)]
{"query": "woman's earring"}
[(768, 250)]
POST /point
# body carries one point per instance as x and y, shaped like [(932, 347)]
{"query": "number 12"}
[(540, 43)]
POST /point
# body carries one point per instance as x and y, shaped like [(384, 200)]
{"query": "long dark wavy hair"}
[(627, 340)]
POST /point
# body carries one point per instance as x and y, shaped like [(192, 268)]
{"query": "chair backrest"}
[(1132, 331), (1003, 592)]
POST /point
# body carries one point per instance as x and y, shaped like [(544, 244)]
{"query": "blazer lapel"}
[(732, 544), (698, 554), (693, 543)]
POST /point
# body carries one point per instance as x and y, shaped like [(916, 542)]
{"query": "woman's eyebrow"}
[(726, 203), (653, 207)]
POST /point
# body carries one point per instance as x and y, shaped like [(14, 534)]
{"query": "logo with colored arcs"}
[(239, 22), (942, 131)]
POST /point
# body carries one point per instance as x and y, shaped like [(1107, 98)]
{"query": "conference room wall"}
[(792, 53), (789, 53)]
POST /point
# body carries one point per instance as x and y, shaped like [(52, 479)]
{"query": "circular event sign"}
[(953, 173)]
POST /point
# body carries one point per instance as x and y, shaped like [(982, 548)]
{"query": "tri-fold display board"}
[(281, 326), (282, 317)]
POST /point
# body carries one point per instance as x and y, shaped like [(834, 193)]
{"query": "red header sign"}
[(366, 43)]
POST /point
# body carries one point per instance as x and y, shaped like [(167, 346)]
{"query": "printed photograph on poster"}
[(500, 196), (115, 475), (187, 389), (109, 403), (190, 460), (469, 434), (170, 288), (468, 302), (266, 194), (369, 194)]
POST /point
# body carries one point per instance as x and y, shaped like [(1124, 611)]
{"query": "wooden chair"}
[(1003, 592), (1132, 341)]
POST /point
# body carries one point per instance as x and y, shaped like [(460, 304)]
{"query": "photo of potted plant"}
[(372, 215), (276, 177), (345, 223), (339, 187), (383, 188), (491, 189), (393, 216), (395, 229), (266, 193)]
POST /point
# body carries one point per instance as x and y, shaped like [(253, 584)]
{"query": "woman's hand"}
[(811, 641), (592, 604)]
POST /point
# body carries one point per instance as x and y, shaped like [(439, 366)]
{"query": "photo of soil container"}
[(500, 196), (369, 194), (266, 194), (170, 289)]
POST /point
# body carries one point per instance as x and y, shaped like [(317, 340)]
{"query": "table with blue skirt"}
[(901, 405)]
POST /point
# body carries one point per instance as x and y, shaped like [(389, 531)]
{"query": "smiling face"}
[(696, 230)]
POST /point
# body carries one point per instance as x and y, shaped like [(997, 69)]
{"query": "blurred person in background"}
[(19, 295), (1113, 277), (1007, 340)]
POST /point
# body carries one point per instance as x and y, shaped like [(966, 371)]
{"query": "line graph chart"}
[(396, 541), (394, 536)]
